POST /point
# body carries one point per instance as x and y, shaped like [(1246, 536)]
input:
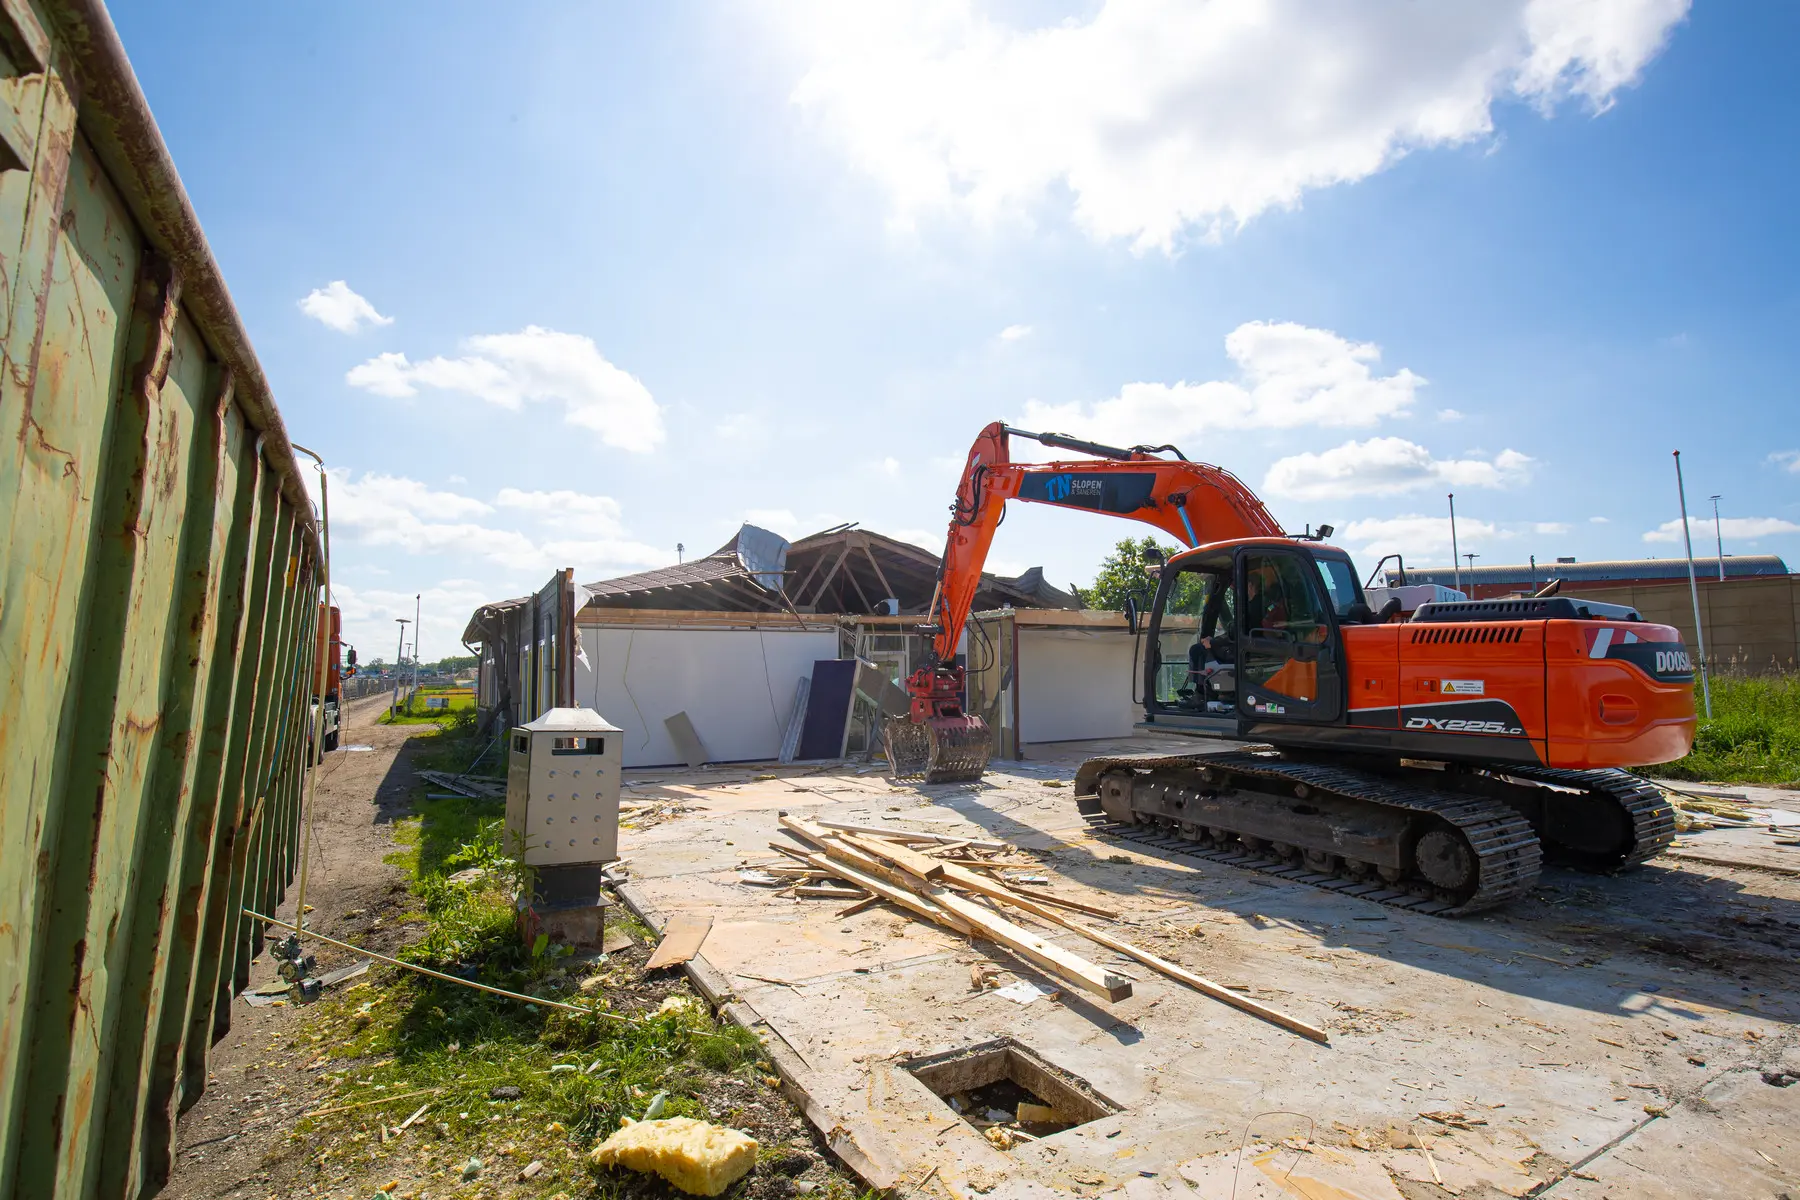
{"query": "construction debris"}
[(913, 835), (479, 787), (698, 1157), (888, 865), (681, 940)]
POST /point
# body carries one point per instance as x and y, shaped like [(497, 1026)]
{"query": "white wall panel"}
[(736, 685), (1075, 684)]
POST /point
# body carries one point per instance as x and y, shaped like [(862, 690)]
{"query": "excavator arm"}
[(1192, 502)]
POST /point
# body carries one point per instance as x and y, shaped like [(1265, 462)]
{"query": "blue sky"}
[(617, 278)]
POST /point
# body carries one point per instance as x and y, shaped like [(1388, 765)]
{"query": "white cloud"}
[(443, 607), (889, 466), (1550, 527), (1289, 376), (1387, 466), (745, 429), (591, 511), (1449, 414), (1599, 520), (1015, 333), (1162, 117), (790, 526), (393, 511), (534, 364), (1416, 536), (337, 307), (1788, 459), (375, 497), (1739, 528), (925, 539)]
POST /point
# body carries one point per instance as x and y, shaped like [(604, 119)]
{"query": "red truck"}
[(340, 664)]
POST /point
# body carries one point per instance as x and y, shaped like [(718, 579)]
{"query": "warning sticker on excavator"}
[(1464, 687)]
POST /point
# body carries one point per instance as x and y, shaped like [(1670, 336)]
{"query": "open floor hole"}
[(1008, 1093)]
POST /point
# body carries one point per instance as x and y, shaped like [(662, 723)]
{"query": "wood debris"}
[(890, 865)]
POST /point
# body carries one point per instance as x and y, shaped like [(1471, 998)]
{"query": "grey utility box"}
[(562, 789)]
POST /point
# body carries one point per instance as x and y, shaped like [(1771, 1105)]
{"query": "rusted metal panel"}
[(159, 568), (231, 536)]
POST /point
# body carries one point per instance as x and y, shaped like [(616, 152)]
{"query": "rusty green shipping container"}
[(159, 567)]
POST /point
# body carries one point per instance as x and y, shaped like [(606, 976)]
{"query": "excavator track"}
[(1648, 815), (1500, 851)]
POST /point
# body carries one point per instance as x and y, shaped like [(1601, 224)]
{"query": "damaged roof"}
[(841, 570)]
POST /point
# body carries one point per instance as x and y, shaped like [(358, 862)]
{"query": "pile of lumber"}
[(971, 896), (799, 875)]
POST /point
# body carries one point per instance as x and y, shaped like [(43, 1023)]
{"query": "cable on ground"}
[(468, 983)]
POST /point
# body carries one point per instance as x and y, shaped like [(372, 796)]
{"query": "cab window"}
[(1195, 628), (1341, 589)]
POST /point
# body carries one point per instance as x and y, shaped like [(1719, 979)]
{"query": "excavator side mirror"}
[(1131, 614)]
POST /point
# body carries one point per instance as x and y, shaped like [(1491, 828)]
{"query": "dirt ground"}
[(235, 1142), (253, 1096)]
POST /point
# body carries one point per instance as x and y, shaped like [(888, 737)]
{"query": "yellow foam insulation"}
[(698, 1157)]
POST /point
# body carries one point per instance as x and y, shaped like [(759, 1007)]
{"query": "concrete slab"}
[(1537, 1035)]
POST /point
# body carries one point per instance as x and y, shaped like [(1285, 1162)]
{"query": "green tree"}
[(1124, 573)]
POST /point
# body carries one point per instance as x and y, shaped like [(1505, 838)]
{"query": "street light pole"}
[(399, 657), (416, 614), (1718, 538), (1693, 588), (1455, 570)]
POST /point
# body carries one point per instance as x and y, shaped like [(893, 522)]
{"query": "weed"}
[(1753, 736), (504, 1079), (455, 710)]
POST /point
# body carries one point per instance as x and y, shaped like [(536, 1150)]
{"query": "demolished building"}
[(715, 648)]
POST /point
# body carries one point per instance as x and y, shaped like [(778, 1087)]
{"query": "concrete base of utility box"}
[(569, 904)]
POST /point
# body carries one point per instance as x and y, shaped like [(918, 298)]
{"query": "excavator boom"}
[(1191, 501)]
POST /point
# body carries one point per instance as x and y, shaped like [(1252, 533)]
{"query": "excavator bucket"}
[(939, 750)]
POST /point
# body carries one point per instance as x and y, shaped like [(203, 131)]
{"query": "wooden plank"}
[(1199, 983), (963, 877), (908, 860), (852, 864), (949, 872), (884, 889), (984, 921), (681, 940), (1092, 910), (1053, 958), (913, 835)]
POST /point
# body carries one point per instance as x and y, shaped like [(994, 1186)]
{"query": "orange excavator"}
[(1433, 763)]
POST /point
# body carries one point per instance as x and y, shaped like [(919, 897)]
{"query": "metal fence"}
[(158, 583)]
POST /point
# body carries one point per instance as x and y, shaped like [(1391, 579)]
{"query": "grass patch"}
[(1753, 736), (456, 711), (510, 1083), (440, 827)]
